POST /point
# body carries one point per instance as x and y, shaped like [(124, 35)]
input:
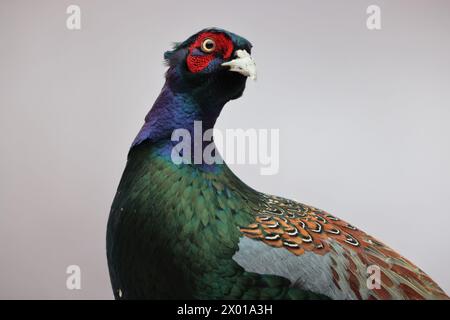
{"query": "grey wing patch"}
[(308, 271)]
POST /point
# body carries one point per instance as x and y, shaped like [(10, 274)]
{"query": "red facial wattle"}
[(223, 48)]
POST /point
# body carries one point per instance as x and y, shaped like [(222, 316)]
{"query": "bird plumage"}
[(197, 231)]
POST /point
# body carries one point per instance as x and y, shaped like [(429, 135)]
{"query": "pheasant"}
[(196, 231)]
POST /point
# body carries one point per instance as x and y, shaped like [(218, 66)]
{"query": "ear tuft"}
[(171, 57), (168, 54)]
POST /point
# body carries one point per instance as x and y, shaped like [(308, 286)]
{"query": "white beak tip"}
[(243, 64)]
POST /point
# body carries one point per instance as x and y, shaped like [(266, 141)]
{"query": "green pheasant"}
[(196, 231)]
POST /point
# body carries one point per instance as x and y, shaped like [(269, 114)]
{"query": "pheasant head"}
[(201, 65), (205, 71)]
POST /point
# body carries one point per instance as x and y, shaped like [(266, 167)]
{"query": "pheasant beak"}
[(243, 64)]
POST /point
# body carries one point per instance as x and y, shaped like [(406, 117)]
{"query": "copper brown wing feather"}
[(299, 228)]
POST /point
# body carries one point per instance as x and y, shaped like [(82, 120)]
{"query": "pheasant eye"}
[(208, 45)]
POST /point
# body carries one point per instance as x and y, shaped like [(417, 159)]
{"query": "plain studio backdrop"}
[(363, 117)]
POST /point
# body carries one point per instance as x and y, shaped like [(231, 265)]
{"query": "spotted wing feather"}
[(309, 233)]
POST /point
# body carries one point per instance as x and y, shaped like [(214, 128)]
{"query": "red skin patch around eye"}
[(224, 48)]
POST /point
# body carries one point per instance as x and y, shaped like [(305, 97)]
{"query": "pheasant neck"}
[(175, 109)]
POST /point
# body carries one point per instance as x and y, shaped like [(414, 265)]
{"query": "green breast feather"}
[(174, 229)]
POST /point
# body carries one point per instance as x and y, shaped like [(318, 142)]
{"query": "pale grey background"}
[(363, 117)]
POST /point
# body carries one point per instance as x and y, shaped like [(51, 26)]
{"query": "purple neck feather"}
[(176, 110)]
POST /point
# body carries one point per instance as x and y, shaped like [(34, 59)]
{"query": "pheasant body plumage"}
[(180, 233), (196, 231)]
